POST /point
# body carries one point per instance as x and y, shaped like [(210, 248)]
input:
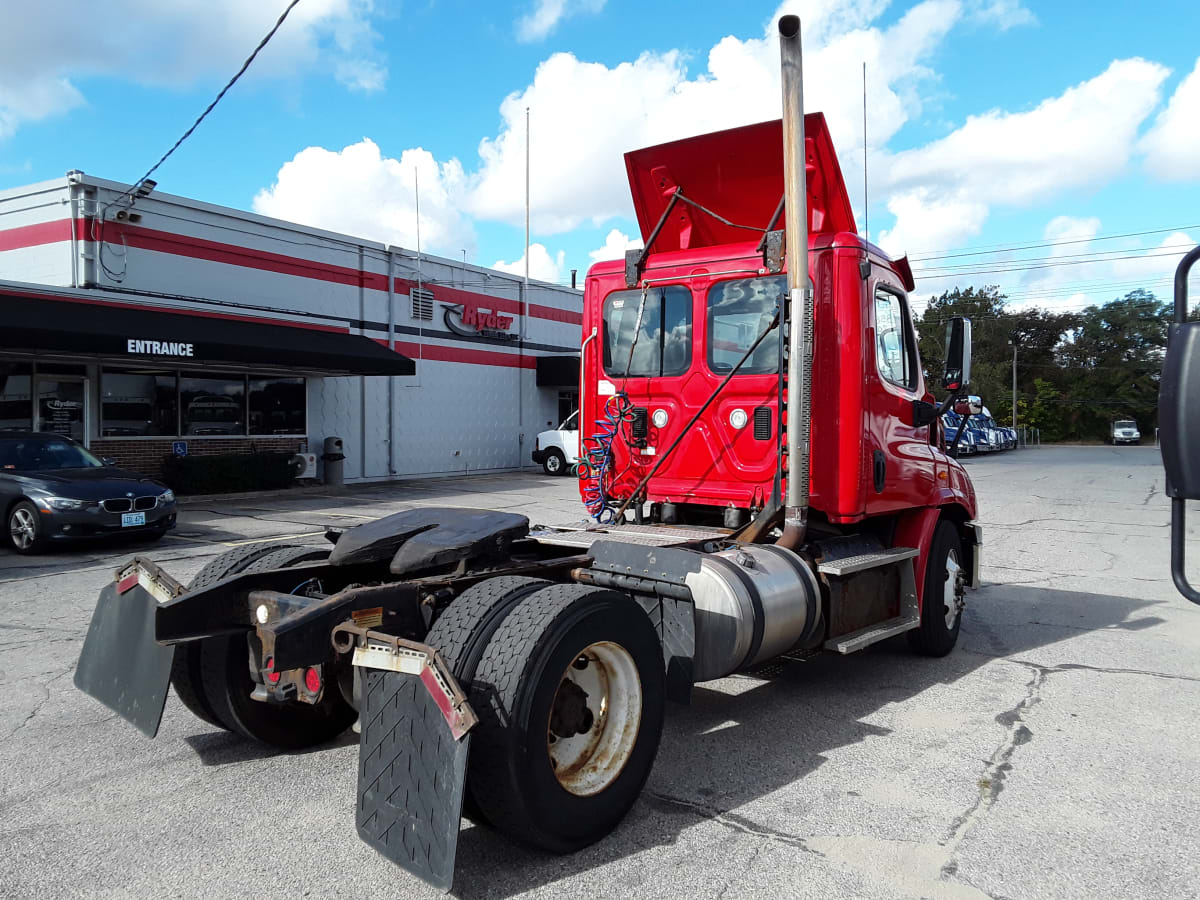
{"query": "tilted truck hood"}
[(738, 174)]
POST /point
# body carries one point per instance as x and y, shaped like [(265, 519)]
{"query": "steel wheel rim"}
[(952, 590), (553, 464), (22, 528), (587, 762)]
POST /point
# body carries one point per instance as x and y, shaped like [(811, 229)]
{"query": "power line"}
[(1007, 248), (270, 34), (1048, 265)]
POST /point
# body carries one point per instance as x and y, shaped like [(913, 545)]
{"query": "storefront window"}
[(62, 406), (138, 403), (16, 401), (277, 406), (212, 404)]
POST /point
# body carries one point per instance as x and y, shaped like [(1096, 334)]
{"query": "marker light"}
[(738, 418), (660, 418)]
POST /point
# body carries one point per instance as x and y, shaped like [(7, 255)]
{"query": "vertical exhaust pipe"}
[(800, 327)]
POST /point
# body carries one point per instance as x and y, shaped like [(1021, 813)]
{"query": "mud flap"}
[(412, 757), (122, 665)]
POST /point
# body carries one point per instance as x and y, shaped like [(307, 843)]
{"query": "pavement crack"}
[(725, 818), (999, 765)]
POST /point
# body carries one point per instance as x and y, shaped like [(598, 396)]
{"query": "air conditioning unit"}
[(305, 465)]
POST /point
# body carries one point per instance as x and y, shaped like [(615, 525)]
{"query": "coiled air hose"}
[(596, 471)]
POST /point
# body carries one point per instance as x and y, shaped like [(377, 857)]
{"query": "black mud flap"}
[(122, 665), (411, 773)]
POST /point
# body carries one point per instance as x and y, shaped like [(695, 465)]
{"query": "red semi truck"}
[(766, 477)]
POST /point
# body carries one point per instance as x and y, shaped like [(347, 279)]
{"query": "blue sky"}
[(993, 122)]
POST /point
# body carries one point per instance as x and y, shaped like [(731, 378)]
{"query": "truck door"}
[(899, 463)]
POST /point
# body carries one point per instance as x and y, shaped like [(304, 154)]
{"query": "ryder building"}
[(146, 325)]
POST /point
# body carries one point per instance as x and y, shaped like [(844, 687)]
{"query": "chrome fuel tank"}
[(752, 603)]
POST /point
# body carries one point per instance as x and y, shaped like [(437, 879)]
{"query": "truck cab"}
[(556, 450), (705, 295), (1125, 431)]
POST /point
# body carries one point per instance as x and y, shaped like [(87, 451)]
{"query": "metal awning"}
[(558, 371), (141, 335)]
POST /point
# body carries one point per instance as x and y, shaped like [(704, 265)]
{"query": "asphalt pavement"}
[(1052, 754)]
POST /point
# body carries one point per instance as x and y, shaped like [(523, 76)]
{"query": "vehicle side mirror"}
[(108, 460), (957, 372), (1179, 420), (1179, 411)]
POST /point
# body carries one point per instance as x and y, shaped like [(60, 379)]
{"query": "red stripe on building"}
[(231, 254), (35, 235), (439, 353)]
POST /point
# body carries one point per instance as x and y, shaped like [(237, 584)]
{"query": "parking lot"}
[(1053, 754)]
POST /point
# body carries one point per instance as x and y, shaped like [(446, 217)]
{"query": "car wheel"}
[(942, 600), (555, 463), (570, 696), (25, 528)]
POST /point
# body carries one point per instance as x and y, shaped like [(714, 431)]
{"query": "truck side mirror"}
[(957, 373), (1179, 411), (1179, 420)]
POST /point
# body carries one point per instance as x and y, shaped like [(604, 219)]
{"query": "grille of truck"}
[(762, 423)]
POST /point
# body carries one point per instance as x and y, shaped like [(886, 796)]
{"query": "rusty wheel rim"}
[(594, 719)]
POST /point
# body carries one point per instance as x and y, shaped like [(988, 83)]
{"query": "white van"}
[(557, 451)]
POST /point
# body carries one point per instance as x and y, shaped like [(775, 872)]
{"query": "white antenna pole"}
[(527, 200), (866, 206), (420, 292)]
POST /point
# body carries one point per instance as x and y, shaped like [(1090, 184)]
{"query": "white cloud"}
[(542, 266), (546, 15), (1002, 14), (173, 44), (615, 245), (1172, 146), (359, 191), (577, 160), (941, 192)]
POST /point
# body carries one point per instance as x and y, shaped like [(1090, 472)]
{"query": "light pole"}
[(1013, 341)]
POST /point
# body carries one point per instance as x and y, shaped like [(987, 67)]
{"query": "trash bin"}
[(334, 460)]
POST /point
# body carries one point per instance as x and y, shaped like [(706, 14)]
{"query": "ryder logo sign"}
[(469, 319), (160, 348)]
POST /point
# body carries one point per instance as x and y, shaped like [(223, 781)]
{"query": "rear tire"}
[(586, 636), (185, 667), (463, 631), (225, 676), (941, 601)]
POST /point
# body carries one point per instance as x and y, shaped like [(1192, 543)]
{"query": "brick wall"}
[(146, 456)]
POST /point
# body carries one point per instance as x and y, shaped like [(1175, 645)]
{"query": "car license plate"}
[(128, 519)]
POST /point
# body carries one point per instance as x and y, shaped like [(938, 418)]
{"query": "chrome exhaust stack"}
[(800, 328)]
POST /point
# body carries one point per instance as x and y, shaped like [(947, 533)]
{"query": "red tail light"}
[(312, 681), (272, 675)]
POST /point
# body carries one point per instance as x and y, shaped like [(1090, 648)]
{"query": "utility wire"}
[(270, 34), (1007, 248)]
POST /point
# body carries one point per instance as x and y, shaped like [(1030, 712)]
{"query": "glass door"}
[(62, 406)]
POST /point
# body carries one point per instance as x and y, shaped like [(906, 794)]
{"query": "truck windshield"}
[(663, 344), (738, 312), (1125, 424)]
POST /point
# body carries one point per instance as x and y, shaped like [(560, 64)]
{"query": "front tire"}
[(570, 696), (942, 599), (554, 463), (25, 529)]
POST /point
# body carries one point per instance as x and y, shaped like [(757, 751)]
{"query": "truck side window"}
[(738, 312), (893, 343), (663, 344)]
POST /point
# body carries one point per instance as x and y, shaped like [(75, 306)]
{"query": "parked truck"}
[(765, 471)]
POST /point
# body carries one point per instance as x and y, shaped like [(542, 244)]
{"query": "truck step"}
[(863, 561), (864, 637)]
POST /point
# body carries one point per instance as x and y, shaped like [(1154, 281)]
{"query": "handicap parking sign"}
[(179, 448)]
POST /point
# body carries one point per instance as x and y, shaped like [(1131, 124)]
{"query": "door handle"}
[(880, 471)]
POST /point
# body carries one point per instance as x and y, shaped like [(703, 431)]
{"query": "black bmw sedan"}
[(51, 488)]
